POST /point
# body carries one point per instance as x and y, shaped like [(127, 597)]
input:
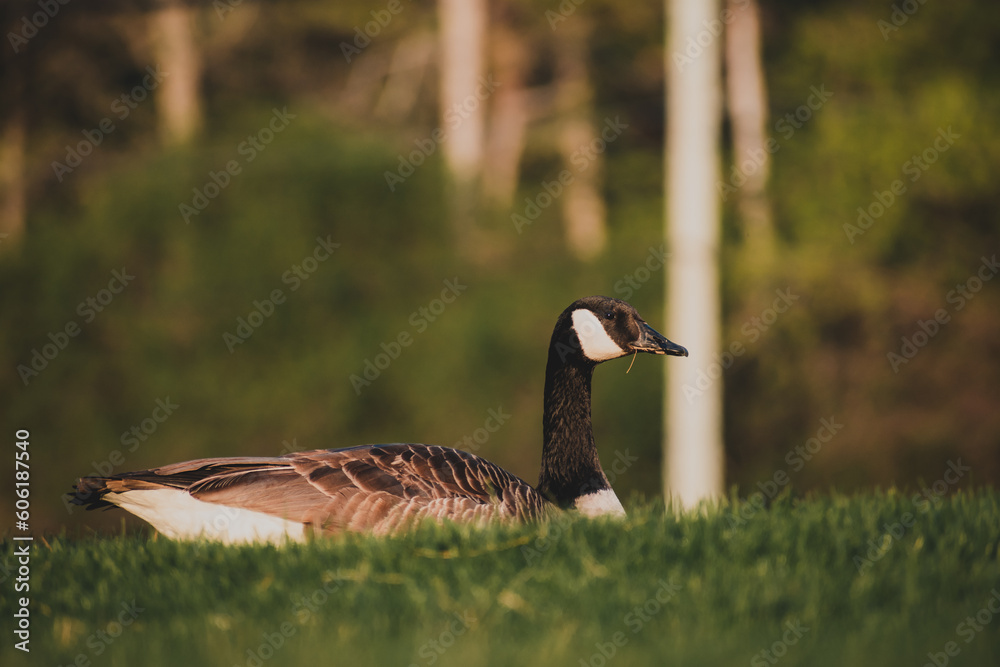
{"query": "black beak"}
[(652, 341)]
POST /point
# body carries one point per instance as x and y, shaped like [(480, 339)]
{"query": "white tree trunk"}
[(462, 30), (178, 99), (463, 33), (694, 452)]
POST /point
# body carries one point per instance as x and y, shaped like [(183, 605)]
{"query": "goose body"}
[(383, 488)]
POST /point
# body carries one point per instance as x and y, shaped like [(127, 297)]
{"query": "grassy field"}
[(874, 579)]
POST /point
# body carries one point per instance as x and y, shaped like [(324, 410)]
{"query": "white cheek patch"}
[(594, 340)]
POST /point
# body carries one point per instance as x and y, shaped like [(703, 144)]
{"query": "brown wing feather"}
[(89, 491), (385, 486), (278, 490)]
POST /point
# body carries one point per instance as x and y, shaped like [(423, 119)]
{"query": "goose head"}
[(599, 328)]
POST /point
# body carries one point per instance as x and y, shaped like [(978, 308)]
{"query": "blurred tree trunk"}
[(13, 188), (694, 453), (463, 95), (747, 97), (15, 72), (411, 59), (582, 204), (178, 97), (511, 113)]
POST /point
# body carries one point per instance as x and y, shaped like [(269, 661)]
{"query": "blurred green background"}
[(288, 385)]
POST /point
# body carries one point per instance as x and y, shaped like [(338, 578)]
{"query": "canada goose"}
[(380, 488)]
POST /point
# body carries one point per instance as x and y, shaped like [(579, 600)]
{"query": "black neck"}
[(570, 466)]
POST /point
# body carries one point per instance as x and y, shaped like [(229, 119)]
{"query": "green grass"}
[(710, 588)]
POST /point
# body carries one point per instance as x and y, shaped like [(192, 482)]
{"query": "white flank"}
[(594, 340), (600, 503), (179, 515)]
